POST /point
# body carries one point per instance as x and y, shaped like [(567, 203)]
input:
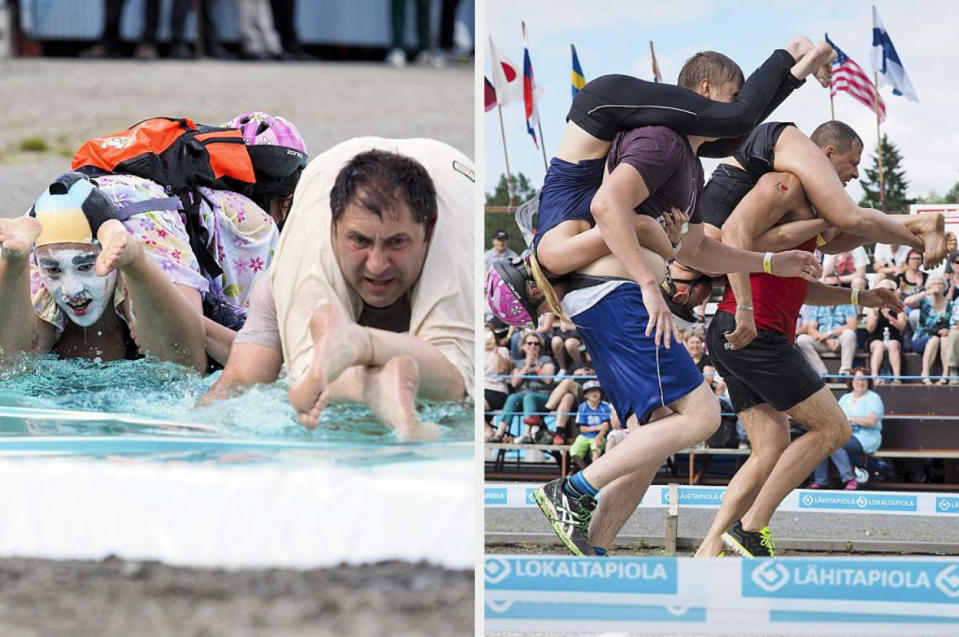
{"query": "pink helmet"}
[(263, 129), (277, 151), (510, 292)]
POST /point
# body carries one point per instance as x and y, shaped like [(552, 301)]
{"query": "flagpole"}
[(832, 108), (509, 175), (539, 124), (882, 185), (542, 145)]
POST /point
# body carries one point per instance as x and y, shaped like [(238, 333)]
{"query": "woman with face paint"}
[(103, 287)]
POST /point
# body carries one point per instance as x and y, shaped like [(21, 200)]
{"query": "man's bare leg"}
[(339, 344), (828, 430), (16, 311), (696, 418), (167, 324), (619, 501), (388, 391), (768, 432)]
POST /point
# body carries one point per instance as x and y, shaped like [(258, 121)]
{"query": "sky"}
[(612, 36)]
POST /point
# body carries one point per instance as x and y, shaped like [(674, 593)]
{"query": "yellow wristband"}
[(820, 242), (855, 296), (767, 263)]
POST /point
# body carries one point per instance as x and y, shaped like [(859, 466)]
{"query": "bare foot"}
[(338, 343), (390, 395), (17, 236), (931, 227), (799, 47), (117, 247), (817, 60)]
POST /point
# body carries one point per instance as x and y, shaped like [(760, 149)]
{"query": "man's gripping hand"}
[(796, 263), (660, 318), (745, 330), (881, 297)]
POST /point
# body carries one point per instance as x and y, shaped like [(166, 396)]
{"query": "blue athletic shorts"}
[(567, 192), (636, 376)]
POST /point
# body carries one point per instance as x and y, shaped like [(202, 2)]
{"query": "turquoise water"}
[(141, 408)]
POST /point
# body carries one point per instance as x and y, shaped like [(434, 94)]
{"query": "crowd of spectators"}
[(267, 30)]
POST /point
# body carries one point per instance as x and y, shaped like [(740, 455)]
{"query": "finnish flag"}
[(885, 61)]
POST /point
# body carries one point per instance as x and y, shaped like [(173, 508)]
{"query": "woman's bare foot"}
[(338, 343), (17, 236), (390, 395), (931, 228), (799, 47), (817, 60), (117, 248)]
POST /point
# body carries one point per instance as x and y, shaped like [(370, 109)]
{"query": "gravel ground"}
[(62, 102), (57, 104), (114, 597)]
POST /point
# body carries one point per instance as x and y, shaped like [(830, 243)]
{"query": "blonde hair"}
[(549, 293)]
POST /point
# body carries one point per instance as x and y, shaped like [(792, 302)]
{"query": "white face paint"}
[(67, 273)]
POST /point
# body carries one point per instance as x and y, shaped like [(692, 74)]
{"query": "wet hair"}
[(859, 370), (837, 134), (376, 179), (712, 66)]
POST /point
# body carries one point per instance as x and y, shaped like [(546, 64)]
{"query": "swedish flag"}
[(578, 80)]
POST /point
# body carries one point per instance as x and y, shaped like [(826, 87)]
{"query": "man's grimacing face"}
[(67, 272), (380, 258)]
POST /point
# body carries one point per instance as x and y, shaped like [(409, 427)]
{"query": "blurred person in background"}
[(935, 317), (865, 410), (421, 53), (885, 329)]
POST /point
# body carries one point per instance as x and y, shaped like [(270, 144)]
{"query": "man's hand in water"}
[(796, 263)]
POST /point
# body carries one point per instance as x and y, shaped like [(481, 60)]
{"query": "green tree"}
[(522, 191), (894, 177), (953, 195)]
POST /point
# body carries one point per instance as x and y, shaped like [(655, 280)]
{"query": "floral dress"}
[(242, 239)]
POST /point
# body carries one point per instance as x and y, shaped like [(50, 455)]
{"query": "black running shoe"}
[(750, 543), (568, 516)]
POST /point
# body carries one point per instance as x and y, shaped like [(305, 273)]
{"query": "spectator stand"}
[(920, 448)]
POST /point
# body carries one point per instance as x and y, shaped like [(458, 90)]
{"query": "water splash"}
[(169, 392)]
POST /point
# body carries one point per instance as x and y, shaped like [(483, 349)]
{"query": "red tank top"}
[(776, 300)]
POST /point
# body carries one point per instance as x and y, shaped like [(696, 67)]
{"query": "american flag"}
[(849, 76)]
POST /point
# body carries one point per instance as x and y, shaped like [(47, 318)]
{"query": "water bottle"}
[(885, 336)]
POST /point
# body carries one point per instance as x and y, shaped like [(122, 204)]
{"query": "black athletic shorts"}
[(726, 188), (769, 370), (757, 153), (728, 185)]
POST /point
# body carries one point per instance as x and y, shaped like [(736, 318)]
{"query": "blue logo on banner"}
[(696, 496), (529, 497), (869, 580), (946, 504), (495, 496), (857, 501), (581, 574)]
